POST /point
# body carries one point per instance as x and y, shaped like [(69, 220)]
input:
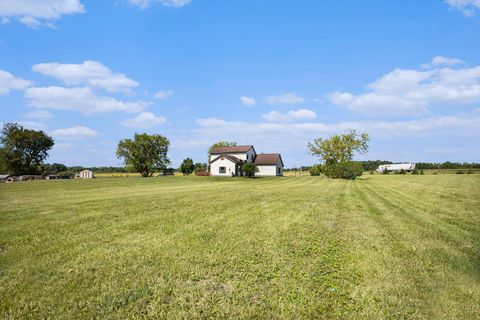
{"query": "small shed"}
[(86, 174)]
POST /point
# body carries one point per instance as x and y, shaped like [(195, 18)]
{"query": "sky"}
[(273, 74)]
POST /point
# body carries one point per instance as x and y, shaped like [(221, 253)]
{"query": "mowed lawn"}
[(383, 246)]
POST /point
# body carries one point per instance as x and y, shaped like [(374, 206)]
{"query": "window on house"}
[(279, 170), (222, 169)]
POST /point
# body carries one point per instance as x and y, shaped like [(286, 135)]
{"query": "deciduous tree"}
[(22, 151), (145, 153)]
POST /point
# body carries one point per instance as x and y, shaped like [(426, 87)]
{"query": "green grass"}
[(381, 247)]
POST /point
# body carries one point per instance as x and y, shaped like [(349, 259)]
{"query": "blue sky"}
[(275, 74)]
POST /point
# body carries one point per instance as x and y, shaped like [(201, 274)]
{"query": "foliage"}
[(221, 144), (349, 170), (459, 172), (187, 167), (336, 153), (422, 172), (385, 171), (448, 165), (401, 172), (415, 171), (145, 153), (22, 151), (249, 169), (54, 168), (315, 170), (200, 167)]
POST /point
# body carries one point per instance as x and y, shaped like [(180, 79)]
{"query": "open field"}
[(383, 246)]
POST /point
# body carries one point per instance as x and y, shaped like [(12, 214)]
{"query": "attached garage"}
[(269, 164)]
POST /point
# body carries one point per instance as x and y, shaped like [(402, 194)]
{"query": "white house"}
[(396, 167), (228, 161)]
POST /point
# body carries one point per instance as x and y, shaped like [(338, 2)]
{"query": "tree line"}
[(23, 151)]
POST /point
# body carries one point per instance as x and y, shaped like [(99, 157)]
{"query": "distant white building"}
[(85, 174), (396, 167), (228, 161)]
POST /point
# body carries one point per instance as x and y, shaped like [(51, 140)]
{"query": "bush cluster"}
[(315, 170), (344, 170)]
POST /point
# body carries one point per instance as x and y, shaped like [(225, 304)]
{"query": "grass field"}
[(381, 247)]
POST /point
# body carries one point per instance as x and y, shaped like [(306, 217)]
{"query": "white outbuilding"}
[(86, 174), (396, 167)]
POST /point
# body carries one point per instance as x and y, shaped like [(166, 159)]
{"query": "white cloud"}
[(287, 98), (300, 114), (34, 125), (39, 115), (9, 82), (78, 99), (167, 3), (74, 133), (163, 94), (248, 101), (35, 13), (211, 122), (91, 73), (442, 61), (413, 92), (467, 7), (144, 120)]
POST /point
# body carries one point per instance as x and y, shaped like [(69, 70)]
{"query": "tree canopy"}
[(336, 153), (22, 151), (339, 147), (187, 167), (221, 144), (145, 153)]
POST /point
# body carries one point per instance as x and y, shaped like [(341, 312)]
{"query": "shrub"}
[(385, 171), (249, 169), (422, 172), (459, 172), (315, 170), (415, 171), (470, 171), (402, 171), (344, 170), (372, 172)]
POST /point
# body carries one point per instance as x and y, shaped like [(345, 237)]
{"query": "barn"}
[(396, 167)]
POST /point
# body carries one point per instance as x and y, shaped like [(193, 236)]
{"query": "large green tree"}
[(145, 153), (336, 152), (221, 144), (187, 167), (22, 151)]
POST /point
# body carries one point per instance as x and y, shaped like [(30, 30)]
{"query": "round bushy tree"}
[(187, 167), (249, 169)]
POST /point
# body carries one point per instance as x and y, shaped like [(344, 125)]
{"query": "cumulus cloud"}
[(39, 115), (167, 3), (9, 82), (74, 133), (413, 92), (144, 120), (163, 94), (293, 115), (91, 73), (35, 13), (211, 122), (248, 101), (78, 99), (467, 7), (442, 61), (287, 98)]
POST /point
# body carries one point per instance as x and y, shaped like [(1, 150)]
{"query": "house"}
[(228, 161), (396, 167)]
